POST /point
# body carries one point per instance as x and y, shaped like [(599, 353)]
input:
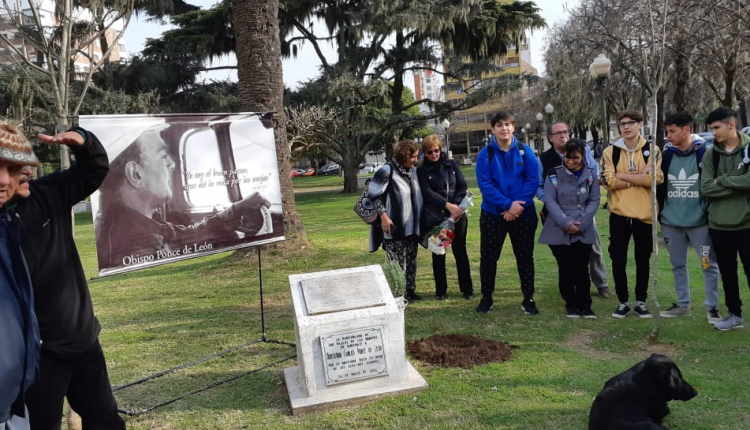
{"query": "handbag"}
[(365, 207)]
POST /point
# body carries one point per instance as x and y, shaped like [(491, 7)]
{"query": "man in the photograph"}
[(627, 174), (130, 224), (558, 134), (725, 180), (683, 215), (72, 364), (19, 333)]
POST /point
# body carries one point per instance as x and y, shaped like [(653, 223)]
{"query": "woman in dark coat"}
[(443, 187)]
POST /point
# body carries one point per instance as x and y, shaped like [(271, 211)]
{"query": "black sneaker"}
[(622, 311), (469, 296), (572, 313), (484, 305), (588, 313), (412, 296), (529, 307), (641, 311), (441, 297)]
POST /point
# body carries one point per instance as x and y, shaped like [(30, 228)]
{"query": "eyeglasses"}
[(628, 123), (432, 151), (560, 133)]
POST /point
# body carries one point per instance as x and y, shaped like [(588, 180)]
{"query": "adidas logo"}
[(682, 182)]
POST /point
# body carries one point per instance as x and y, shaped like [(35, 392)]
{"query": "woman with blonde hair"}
[(443, 187)]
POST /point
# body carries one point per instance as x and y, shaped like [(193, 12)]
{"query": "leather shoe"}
[(604, 292)]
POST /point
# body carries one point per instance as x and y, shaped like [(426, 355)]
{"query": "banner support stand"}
[(262, 339)]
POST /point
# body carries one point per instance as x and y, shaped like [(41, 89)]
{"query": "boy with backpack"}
[(725, 180), (683, 215), (627, 176)]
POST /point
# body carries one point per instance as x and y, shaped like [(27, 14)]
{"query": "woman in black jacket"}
[(443, 187)]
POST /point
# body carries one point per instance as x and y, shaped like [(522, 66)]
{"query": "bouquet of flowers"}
[(442, 236)]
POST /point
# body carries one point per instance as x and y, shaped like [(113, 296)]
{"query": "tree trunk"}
[(351, 170), (261, 89), (594, 134), (659, 133)]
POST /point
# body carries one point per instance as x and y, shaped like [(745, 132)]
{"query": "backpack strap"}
[(616, 155)]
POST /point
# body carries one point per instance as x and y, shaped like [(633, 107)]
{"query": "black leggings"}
[(492, 232), (573, 274)]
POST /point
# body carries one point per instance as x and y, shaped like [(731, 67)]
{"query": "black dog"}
[(636, 399)]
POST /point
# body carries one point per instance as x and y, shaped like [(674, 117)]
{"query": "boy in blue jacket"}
[(508, 177)]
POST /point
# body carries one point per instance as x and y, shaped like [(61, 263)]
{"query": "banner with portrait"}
[(184, 186)]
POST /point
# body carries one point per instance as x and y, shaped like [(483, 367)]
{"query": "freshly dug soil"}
[(458, 350)]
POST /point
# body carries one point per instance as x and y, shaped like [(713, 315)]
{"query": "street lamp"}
[(539, 118), (526, 130), (445, 125), (599, 70), (549, 109)]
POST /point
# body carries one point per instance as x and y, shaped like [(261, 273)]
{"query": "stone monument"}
[(350, 340)]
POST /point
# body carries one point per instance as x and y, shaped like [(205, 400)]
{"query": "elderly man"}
[(558, 134), (72, 364), (19, 333)]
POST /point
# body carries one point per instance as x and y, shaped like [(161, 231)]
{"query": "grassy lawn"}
[(165, 316)]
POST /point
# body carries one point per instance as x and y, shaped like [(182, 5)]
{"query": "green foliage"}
[(395, 276)]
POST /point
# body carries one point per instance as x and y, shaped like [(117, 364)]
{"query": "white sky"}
[(306, 65)]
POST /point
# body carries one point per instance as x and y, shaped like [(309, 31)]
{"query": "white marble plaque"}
[(353, 355), (338, 293)]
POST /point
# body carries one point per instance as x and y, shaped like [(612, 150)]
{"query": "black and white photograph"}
[(183, 186)]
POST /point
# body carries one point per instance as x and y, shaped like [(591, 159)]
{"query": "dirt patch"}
[(458, 350), (581, 341)]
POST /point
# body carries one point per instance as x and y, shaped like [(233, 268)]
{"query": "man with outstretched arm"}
[(72, 364)]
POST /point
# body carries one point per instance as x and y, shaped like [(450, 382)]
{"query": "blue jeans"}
[(677, 240), (16, 423)]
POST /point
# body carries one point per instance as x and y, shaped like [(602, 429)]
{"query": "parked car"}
[(296, 172), (366, 168), (708, 137), (329, 169), (309, 172)]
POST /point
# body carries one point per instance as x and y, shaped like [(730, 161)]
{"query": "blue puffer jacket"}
[(19, 333)]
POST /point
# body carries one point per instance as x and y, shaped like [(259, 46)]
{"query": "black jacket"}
[(62, 301), (440, 181)]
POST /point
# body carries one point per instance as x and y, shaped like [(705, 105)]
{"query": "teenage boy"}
[(508, 177), (627, 176), (683, 216), (725, 180), (558, 134)]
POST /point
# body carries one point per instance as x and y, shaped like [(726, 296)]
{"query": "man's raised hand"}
[(70, 138)]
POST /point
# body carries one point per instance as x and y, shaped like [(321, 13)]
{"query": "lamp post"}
[(549, 109), (539, 118), (599, 70), (445, 125), (526, 131)]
